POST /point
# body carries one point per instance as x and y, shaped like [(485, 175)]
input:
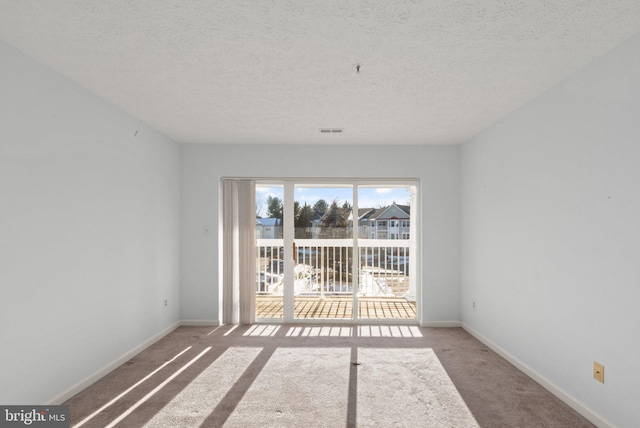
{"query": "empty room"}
[(338, 213)]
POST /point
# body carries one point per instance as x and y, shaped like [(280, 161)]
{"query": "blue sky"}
[(368, 197)]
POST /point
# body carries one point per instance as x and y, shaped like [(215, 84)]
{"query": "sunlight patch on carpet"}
[(297, 384), (262, 330), (195, 402), (393, 387), (399, 331), (407, 387), (403, 331)]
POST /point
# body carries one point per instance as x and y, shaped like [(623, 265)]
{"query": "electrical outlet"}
[(165, 303), (598, 371), (474, 305)]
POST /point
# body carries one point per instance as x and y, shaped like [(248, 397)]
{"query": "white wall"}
[(437, 167), (89, 232), (551, 234)]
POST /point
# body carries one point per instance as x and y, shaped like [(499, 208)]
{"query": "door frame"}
[(415, 267)]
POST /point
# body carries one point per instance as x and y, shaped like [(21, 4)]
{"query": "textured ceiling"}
[(249, 71)]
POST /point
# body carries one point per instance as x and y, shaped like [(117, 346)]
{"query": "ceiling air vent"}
[(331, 130)]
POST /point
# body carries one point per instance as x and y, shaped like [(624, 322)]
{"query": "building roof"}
[(269, 221), (379, 213)]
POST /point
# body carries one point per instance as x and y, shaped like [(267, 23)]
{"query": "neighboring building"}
[(390, 222), (268, 228)]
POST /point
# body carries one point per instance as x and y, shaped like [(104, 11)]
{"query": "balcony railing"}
[(325, 267)]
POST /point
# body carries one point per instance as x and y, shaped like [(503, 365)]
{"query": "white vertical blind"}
[(239, 251)]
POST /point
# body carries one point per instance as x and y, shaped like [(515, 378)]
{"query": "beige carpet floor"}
[(312, 376)]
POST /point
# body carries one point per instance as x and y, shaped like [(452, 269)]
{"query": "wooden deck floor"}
[(337, 307)]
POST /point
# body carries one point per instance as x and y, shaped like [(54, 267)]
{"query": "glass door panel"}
[(386, 290), (269, 252), (323, 252)]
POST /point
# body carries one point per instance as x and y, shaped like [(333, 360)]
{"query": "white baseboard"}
[(576, 405), (440, 324), (70, 392), (200, 323)]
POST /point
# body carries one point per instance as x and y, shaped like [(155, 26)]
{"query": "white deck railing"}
[(325, 266)]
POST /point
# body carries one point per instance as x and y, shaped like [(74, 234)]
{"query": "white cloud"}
[(268, 190), (383, 190)]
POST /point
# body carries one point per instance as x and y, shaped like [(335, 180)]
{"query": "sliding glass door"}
[(335, 251), (323, 252)]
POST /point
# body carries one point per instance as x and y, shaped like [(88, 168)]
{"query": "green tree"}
[(320, 208), (334, 223), (302, 220), (274, 207)]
